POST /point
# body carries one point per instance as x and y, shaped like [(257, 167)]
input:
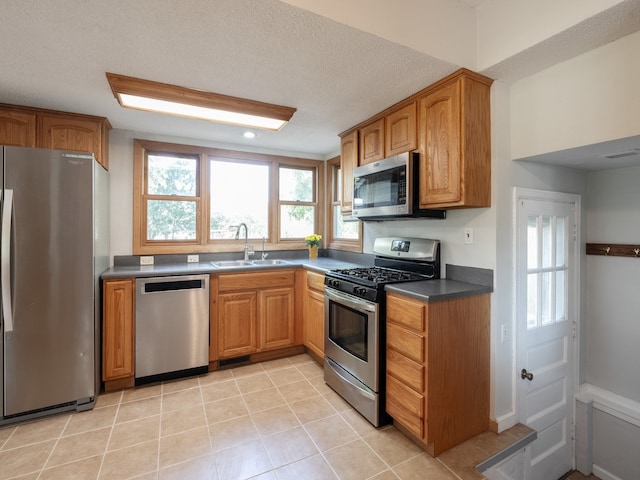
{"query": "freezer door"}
[(48, 351)]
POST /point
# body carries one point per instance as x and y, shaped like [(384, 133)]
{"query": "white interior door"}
[(546, 296)]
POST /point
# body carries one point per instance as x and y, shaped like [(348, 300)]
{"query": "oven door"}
[(352, 335)]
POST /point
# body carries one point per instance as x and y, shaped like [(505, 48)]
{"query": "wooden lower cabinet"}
[(118, 329), (437, 373), (253, 312), (313, 314), (237, 313)]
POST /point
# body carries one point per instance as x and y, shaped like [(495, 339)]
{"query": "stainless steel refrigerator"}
[(53, 247)]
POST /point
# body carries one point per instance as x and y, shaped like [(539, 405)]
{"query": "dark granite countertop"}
[(436, 290), (321, 264)]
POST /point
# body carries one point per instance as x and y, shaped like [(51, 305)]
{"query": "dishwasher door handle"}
[(171, 285)]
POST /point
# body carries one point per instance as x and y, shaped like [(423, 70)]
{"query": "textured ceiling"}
[(269, 51), (55, 54)]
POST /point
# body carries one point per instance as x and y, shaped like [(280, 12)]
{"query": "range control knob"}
[(359, 290)]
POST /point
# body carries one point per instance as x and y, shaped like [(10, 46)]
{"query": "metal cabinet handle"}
[(526, 375)]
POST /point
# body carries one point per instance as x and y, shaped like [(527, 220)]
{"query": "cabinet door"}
[(313, 330), (69, 133), (276, 318), (17, 128), (348, 161), (440, 167), (117, 338), (237, 324), (400, 131), (372, 142)]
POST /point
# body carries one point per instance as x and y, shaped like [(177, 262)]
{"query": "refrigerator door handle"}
[(5, 261)]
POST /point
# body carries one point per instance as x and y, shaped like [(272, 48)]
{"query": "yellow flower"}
[(313, 239)]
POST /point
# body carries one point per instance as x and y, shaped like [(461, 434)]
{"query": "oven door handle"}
[(336, 370), (364, 306)]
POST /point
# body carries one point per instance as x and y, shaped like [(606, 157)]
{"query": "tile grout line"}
[(104, 454), (54, 447)]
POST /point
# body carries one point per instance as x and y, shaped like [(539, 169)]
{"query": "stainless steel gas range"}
[(355, 324)]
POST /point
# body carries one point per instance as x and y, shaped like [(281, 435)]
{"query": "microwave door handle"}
[(5, 261)]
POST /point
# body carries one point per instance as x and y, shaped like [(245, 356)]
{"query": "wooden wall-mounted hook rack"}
[(613, 249)]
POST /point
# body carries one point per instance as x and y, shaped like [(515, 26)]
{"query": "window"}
[(546, 270), (193, 199), (342, 235)]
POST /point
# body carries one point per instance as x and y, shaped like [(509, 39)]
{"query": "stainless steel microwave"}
[(388, 189)]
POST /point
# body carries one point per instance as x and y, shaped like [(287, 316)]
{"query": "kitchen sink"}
[(248, 263), (232, 263), (274, 261)]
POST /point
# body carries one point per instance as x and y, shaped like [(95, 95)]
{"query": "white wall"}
[(613, 300), (590, 99)]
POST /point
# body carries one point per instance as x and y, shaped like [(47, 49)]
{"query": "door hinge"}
[(573, 328)]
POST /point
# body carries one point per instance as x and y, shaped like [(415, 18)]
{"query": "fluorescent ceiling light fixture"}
[(173, 100)]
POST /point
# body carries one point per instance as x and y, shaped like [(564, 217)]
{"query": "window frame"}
[(142, 246), (334, 199)]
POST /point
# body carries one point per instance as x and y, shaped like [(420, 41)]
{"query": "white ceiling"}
[(55, 54)]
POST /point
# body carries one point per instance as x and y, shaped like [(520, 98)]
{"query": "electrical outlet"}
[(146, 260), (468, 236), (503, 333), (193, 258)]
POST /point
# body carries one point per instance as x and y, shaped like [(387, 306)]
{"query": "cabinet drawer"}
[(255, 280), (405, 406), (402, 340), (407, 312), (406, 370), (315, 281)]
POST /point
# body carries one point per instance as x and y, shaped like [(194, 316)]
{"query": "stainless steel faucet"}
[(246, 239), (264, 254)]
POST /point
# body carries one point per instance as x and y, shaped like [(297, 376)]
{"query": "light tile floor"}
[(275, 420)]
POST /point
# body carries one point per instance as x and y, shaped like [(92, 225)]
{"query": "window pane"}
[(547, 241), (239, 194), (546, 304), (560, 240), (532, 300), (171, 220), (296, 221), (342, 229), (296, 185), (171, 175), (532, 242), (561, 289)]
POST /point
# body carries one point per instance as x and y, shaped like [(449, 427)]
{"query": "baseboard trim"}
[(611, 403), (604, 474)]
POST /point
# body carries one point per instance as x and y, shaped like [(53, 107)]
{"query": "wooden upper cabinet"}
[(400, 131), (66, 133), (32, 127), (348, 161), (371, 142), (455, 143), (17, 128)]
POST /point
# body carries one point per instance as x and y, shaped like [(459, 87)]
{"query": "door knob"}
[(524, 374)]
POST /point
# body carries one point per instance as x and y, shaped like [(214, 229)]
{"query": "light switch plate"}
[(146, 260), (468, 236)]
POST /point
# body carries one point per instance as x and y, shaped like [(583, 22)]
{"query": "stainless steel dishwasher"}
[(172, 327)]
